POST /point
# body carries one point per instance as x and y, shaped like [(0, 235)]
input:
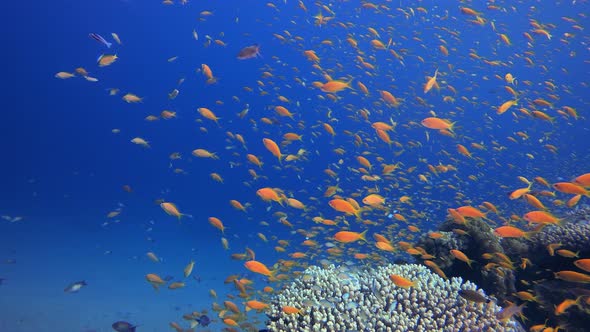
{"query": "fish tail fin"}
[(520, 314), (535, 231), (527, 235), (357, 213), (272, 275), (452, 126), (363, 235)]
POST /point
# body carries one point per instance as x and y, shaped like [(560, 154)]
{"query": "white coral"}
[(433, 304)]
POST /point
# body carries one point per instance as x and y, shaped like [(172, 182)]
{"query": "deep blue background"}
[(62, 168)]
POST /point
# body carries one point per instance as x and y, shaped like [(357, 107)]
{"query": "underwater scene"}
[(295, 165)]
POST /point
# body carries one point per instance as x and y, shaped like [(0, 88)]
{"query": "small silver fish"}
[(75, 287)]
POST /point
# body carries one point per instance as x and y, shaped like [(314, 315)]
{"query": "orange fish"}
[(107, 60), (551, 248), (202, 153), (510, 232), (431, 81), (573, 201), (176, 285), (171, 209), (583, 180), (573, 276), (437, 123), (469, 11), (567, 253), (208, 73), (155, 280), (389, 98), (132, 98), (519, 192), (583, 264), (335, 86), (259, 268), (256, 305), (216, 222), (268, 194), (470, 211), (457, 217), (341, 205), (382, 126), (464, 151), (461, 256), (283, 111), (208, 114), (291, 310), (561, 308), (570, 188), (385, 246), (237, 205), (272, 147), (254, 160), (374, 200), (401, 281), (347, 237), (541, 217), (435, 268), (505, 106)]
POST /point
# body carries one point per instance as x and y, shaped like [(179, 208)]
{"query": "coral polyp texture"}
[(573, 235), (337, 299)]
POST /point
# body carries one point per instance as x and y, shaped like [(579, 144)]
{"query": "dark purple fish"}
[(100, 39), (249, 52), (204, 320), (122, 326)]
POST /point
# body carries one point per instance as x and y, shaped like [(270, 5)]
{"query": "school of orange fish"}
[(370, 128)]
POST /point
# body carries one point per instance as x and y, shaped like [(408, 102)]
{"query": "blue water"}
[(63, 169)]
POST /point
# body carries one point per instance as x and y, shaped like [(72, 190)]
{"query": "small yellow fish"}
[(189, 269)]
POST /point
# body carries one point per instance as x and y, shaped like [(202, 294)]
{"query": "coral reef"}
[(504, 263), (479, 240), (572, 235), (337, 299)]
